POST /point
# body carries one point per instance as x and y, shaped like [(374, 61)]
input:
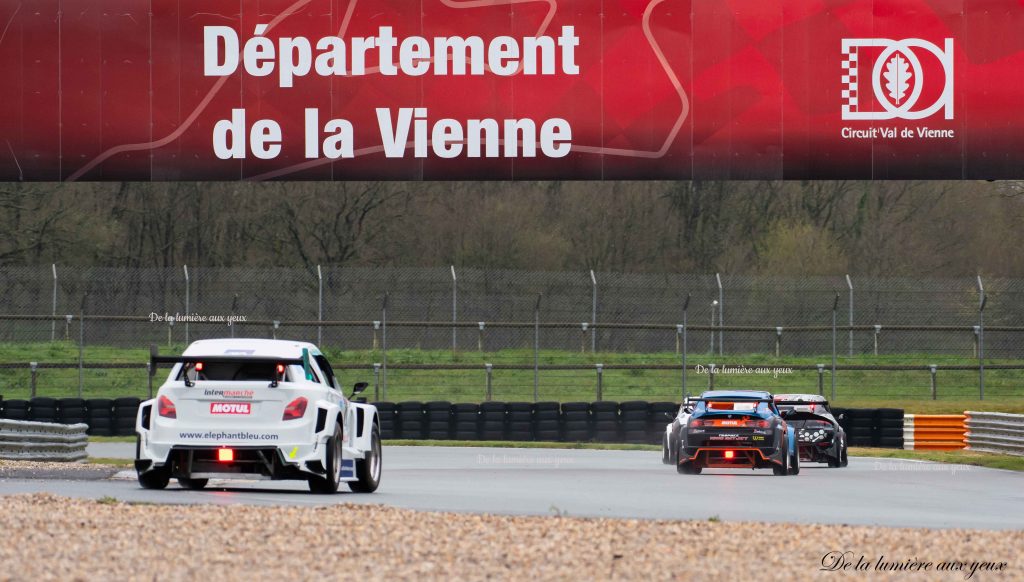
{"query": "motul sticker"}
[(230, 408)]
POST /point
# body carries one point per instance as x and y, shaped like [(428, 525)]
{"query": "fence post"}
[(384, 344), (234, 309), (277, 324), (149, 378), (821, 379), (835, 309), (593, 312), (686, 307), (878, 330), (536, 348), (187, 286), (489, 369), (981, 339), (67, 327), (81, 352), (600, 381), (376, 328), (933, 369), (320, 308), (849, 283), (778, 341), (170, 325), (583, 338), (480, 337), (721, 315), (455, 295), (711, 376), (53, 311), (376, 383), (977, 331), (33, 366)]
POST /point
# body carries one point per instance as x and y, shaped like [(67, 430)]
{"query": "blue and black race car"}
[(736, 429)]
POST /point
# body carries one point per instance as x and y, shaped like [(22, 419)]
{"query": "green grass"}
[(121, 463), (956, 390), (976, 458)]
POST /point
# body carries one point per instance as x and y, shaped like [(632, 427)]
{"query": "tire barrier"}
[(411, 420), (439, 420), (99, 413), (387, 414), (492, 421), (42, 441), (934, 432), (631, 422), (123, 418), (16, 409), (872, 427), (995, 432)]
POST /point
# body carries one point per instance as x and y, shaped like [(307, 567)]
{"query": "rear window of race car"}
[(228, 371)]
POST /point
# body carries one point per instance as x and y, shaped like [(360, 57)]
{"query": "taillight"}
[(758, 423), (729, 454), (225, 455), (166, 408), (696, 422), (295, 409)]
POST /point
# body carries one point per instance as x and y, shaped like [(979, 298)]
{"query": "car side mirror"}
[(358, 387)]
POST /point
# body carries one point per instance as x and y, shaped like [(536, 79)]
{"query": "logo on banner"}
[(896, 79)]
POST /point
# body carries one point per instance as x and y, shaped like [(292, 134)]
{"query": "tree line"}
[(876, 228)]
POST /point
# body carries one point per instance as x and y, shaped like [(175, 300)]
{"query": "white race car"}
[(670, 440), (256, 409)]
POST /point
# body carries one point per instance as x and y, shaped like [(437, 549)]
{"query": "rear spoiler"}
[(155, 360), (733, 399), (801, 403)]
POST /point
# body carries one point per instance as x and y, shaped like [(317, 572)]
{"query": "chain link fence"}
[(544, 333)]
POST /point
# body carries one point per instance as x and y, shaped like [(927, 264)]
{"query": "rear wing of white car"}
[(197, 362)]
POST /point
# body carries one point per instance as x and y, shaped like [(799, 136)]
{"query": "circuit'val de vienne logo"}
[(906, 79)]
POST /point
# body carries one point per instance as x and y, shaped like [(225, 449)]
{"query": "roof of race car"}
[(256, 348), (736, 394), (800, 397)]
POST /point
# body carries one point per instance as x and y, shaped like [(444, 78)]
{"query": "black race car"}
[(736, 429), (818, 434)]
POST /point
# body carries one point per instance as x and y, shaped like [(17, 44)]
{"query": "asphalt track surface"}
[(626, 484)]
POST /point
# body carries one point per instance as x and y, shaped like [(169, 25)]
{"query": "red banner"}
[(511, 89)]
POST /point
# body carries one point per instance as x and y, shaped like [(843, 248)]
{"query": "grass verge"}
[(976, 458)]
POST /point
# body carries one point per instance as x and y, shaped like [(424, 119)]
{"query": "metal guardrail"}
[(995, 432), (42, 441)]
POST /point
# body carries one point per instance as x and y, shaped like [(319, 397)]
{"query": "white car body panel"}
[(241, 414)]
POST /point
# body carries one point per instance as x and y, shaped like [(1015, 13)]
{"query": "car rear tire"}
[(193, 484), (369, 468), (783, 469), (156, 478), (689, 468), (794, 464), (328, 484), (666, 451)]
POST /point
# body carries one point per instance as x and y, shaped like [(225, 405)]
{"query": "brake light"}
[(199, 366), (729, 454), (166, 408), (280, 369), (225, 455), (699, 423), (295, 409), (758, 423)]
